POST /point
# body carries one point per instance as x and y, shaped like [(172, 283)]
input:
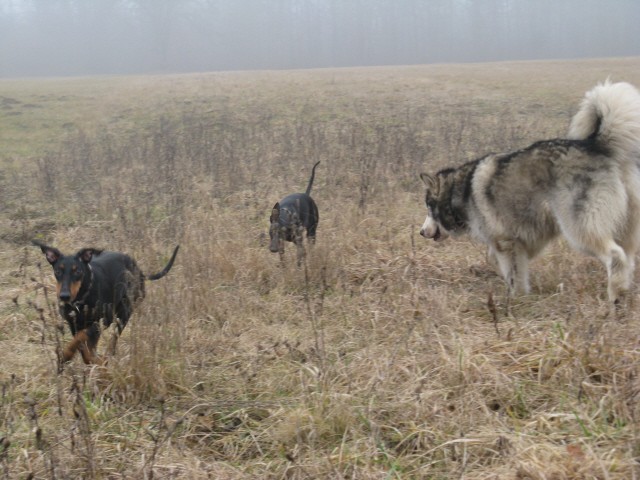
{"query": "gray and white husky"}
[(585, 187)]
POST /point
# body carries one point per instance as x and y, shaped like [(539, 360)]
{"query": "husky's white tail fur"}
[(610, 113)]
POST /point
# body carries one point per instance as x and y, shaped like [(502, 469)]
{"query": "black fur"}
[(94, 285), (291, 216)]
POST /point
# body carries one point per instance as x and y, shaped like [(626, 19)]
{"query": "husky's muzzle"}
[(431, 229)]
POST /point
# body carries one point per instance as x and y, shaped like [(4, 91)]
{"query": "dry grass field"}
[(384, 356)]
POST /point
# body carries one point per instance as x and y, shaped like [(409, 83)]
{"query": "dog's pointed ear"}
[(430, 181), (52, 254), (275, 213), (87, 254)]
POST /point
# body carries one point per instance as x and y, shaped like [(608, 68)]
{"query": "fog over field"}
[(80, 37)]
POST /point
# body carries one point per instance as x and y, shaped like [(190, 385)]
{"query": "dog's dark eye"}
[(77, 274), (58, 272)]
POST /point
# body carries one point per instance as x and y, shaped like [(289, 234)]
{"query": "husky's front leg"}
[(513, 262)]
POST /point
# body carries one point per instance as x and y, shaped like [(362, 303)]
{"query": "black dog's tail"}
[(313, 174), (166, 269)]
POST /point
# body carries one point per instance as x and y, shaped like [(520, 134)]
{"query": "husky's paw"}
[(622, 307)]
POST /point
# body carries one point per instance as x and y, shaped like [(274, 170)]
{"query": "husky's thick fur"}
[(586, 186)]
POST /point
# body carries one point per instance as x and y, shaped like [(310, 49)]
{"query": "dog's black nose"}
[(65, 296), (422, 232)]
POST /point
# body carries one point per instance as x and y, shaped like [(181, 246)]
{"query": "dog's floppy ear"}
[(275, 213), (86, 254), (431, 182)]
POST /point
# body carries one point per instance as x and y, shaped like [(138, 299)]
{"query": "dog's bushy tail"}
[(610, 115), (313, 174)]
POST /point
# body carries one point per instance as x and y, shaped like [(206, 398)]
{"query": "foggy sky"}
[(86, 37)]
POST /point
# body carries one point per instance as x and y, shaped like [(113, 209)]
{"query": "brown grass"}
[(383, 356)]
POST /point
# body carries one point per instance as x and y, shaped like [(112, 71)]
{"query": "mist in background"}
[(88, 37)]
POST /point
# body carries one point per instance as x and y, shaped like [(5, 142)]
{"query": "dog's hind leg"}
[(300, 252), (122, 314), (113, 342), (311, 232), (619, 270)]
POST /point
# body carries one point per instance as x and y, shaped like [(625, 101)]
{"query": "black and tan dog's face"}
[(69, 270), (432, 227)]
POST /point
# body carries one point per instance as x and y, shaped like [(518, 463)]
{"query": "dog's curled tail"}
[(166, 269), (313, 174), (610, 115)]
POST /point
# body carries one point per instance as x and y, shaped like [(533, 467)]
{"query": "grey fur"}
[(586, 187)]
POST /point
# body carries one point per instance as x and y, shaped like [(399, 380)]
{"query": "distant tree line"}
[(71, 37)]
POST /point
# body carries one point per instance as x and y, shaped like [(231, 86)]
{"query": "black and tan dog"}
[(95, 285), (291, 216)]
